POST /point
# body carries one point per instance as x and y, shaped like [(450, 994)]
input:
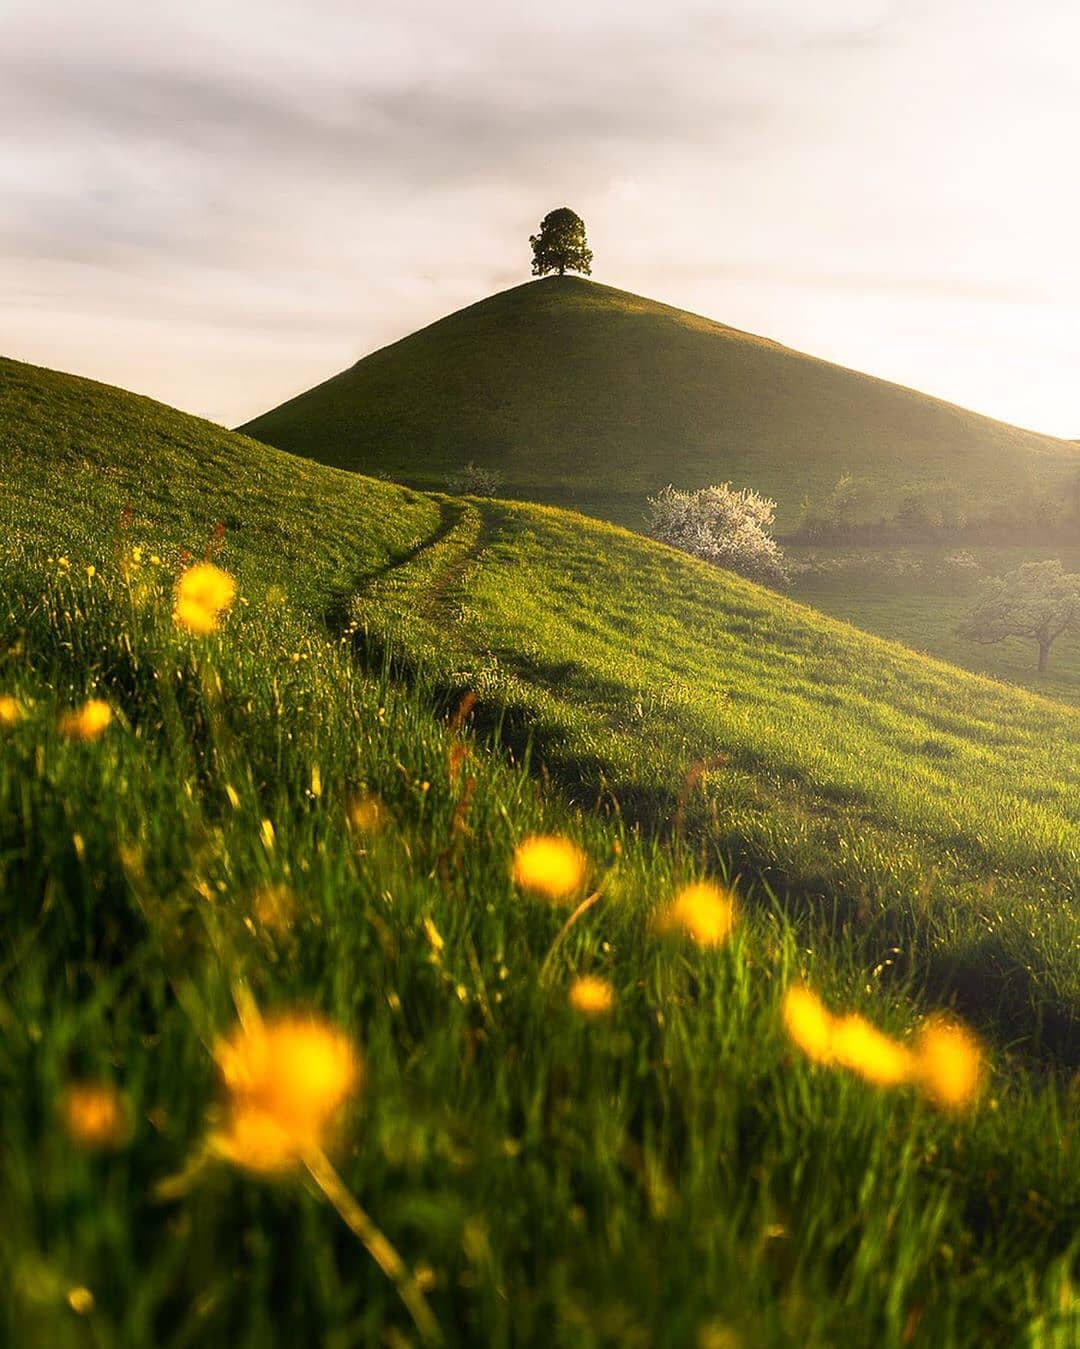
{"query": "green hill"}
[(583, 396), (902, 835)]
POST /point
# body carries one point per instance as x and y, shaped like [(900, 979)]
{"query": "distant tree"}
[(726, 527), (840, 512), (1038, 600), (561, 244), (474, 481)]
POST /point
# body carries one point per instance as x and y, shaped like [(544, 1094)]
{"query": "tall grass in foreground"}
[(258, 818)]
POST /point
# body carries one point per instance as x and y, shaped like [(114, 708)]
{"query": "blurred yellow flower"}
[(591, 996), (203, 593), (95, 1115), (10, 710), (88, 721), (80, 1300), (865, 1050), (848, 1041), (256, 1140), (704, 912), (549, 866), (949, 1063), (808, 1023), (286, 1081)]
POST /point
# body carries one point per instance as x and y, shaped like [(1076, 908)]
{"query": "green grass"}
[(591, 398), (912, 596), (905, 834)]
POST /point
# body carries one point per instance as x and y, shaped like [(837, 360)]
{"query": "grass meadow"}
[(317, 807), (914, 596)]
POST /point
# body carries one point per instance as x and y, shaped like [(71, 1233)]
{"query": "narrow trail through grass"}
[(675, 1171)]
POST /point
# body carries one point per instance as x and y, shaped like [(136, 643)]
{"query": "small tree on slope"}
[(561, 244), (726, 527), (1038, 600)]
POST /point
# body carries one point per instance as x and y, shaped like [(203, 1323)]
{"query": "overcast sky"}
[(220, 204)]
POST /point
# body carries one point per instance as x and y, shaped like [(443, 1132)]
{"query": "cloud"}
[(309, 182)]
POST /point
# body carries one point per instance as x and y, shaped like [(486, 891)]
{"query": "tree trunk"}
[(562, 269), (1044, 652)]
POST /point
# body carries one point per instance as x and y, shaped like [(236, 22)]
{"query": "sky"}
[(220, 205)]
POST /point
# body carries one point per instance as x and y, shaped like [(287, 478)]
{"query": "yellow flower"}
[(88, 722), (286, 1080), (10, 710), (865, 1050), (591, 996), (95, 1115), (949, 1063), (848, 1041), (80, 1300), (808, 1023), (703, 912), (549, 866), (203, 593)]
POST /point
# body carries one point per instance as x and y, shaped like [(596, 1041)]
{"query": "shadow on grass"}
[(987, 980)]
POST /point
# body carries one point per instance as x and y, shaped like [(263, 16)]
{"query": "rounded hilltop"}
[(582, 395)]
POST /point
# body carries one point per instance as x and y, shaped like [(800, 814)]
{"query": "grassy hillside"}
[(588, 397), (906, 837), (918, 595)]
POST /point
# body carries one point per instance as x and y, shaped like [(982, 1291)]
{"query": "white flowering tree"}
[(726, 527)]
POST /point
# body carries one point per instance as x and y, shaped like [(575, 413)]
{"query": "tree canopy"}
[(1038, 600), (726, 527), (561, 245)]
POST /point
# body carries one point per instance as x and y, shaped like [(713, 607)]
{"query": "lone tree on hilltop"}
[(561, 244), (1038, 600)]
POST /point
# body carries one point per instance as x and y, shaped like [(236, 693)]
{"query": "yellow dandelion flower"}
[(88, 721), (704, 912), (949, 1063), (80, 1300), (286, 1081), (867, 1051), (254, 1139), (808, 1023), (11, 710), (203, 593), (95, 1115), (591, 996), (549, 866), (848, 1041)]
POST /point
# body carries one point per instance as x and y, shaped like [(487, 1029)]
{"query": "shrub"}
[(474, 481), (726, 527)]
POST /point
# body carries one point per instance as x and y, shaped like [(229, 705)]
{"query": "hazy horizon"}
[(222, 208)]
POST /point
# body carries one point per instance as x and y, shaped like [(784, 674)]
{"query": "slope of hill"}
[(906, 836), (584, 396)]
